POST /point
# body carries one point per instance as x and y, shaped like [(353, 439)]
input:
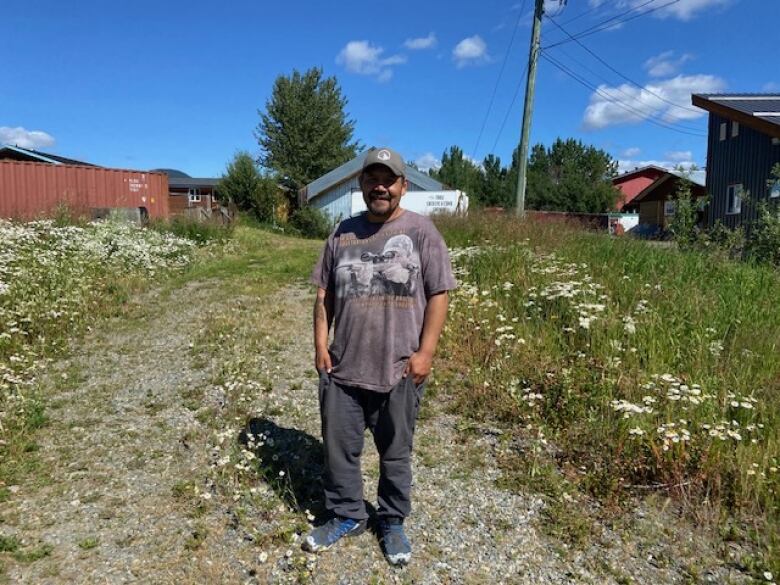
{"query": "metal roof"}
[(31, 155), (760, 111), (191, 182), (351, 168)]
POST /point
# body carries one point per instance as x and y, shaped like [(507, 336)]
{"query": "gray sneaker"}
[(325, 536), (394, 543)]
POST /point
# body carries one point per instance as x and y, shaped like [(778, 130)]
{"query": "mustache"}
[(379, 195)]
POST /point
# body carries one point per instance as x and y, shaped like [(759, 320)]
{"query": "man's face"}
[(382, 191)]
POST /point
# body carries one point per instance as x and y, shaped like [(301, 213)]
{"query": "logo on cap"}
[(383, 155)]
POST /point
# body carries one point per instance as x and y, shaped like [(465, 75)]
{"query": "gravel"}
[(123, 451)]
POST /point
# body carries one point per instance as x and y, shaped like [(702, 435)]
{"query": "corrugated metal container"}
[(31, 190)]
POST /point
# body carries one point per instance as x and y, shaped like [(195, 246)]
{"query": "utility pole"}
[(530, 86)]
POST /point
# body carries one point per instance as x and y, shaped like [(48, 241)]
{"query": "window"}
[(193, 195), (734, 129), (670, 207), (734, 198), (723, 130)]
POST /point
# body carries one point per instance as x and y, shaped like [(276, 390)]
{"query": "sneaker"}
[(325, 536), (394, 543)]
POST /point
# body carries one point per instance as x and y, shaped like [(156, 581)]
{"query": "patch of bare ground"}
[(189, 452)]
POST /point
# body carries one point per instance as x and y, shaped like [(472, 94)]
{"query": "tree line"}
[(305, 132)]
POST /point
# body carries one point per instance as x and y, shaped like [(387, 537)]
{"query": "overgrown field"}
[(623, 368), (54, 281)]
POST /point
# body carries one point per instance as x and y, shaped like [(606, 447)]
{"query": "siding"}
[(29, 190), (336, 202), (746, 159)]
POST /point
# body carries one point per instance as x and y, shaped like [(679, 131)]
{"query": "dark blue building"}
[(742, 147)]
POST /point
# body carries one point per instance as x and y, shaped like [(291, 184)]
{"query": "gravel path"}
[(144, 478)]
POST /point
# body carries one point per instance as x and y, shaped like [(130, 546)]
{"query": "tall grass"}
[(647, 368)]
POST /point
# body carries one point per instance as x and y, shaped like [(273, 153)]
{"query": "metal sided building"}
[(332, 192), (743, 145), (33, 184)]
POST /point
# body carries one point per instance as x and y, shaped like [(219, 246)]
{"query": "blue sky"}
[(178, 84)]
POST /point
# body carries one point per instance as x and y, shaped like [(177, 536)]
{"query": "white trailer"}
[(423, 202)]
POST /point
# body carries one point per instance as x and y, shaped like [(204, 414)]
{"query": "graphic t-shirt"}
[(380, 276)]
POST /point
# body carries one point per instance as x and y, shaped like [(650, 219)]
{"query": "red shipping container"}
[(31, 190)]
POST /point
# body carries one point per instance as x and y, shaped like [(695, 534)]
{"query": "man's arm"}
[(323, 318), (419, 365)]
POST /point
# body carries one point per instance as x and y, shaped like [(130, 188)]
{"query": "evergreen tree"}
[(495, 190), (570, 176), (458, 172), (304, 131), (243, 185)]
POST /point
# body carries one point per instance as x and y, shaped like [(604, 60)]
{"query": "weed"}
[(88, 543)]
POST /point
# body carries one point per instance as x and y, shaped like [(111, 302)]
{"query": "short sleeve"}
[(436, 265), (321, 276)]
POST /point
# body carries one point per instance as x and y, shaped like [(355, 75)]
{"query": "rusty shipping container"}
[(31, 190)]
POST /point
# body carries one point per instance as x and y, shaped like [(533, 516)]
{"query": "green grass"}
[(647, 367)]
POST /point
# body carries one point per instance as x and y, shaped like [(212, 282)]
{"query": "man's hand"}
[(419, 366), (322, 361), (323, 317)]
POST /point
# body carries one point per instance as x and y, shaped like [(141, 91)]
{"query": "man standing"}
[(383, 281)]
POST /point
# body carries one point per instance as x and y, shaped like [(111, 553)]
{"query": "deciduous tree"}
[(304, 131)]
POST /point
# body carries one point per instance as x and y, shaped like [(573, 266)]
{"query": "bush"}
[(311, 223), (683, 224), (764, 243), (197, 231)]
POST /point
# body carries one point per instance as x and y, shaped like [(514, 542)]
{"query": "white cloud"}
[(665, 64), (682, 9), (427, 161), (687, 9), (631, 152), (421, 43), (679, 156), (470, 51), (638, 104), (363, 58), (24, 138)]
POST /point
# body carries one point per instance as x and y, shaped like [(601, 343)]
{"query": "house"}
[(195, 197), (651, 191), (338, 194), (743, 145), (632, 183)]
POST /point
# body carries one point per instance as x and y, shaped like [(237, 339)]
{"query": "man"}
[(383, 280)]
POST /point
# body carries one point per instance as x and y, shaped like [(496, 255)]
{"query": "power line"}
[(604, 24), (611, 99), (509, 109), (581, 14), (500, 73), (630, 97), (611, 68)]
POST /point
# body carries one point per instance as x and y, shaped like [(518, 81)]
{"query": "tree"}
[(571, 176), (304, 131), (494, 190), (243, 185), (458, 172)]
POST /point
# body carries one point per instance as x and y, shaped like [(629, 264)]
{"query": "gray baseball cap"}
[(387, 157)]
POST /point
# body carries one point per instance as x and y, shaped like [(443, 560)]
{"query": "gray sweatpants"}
[(346, 413)]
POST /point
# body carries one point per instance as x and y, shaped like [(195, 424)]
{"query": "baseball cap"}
[(387, 157)]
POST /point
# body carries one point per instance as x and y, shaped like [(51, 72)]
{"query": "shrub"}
[(191, 229), (683, 224), (311, 223)]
